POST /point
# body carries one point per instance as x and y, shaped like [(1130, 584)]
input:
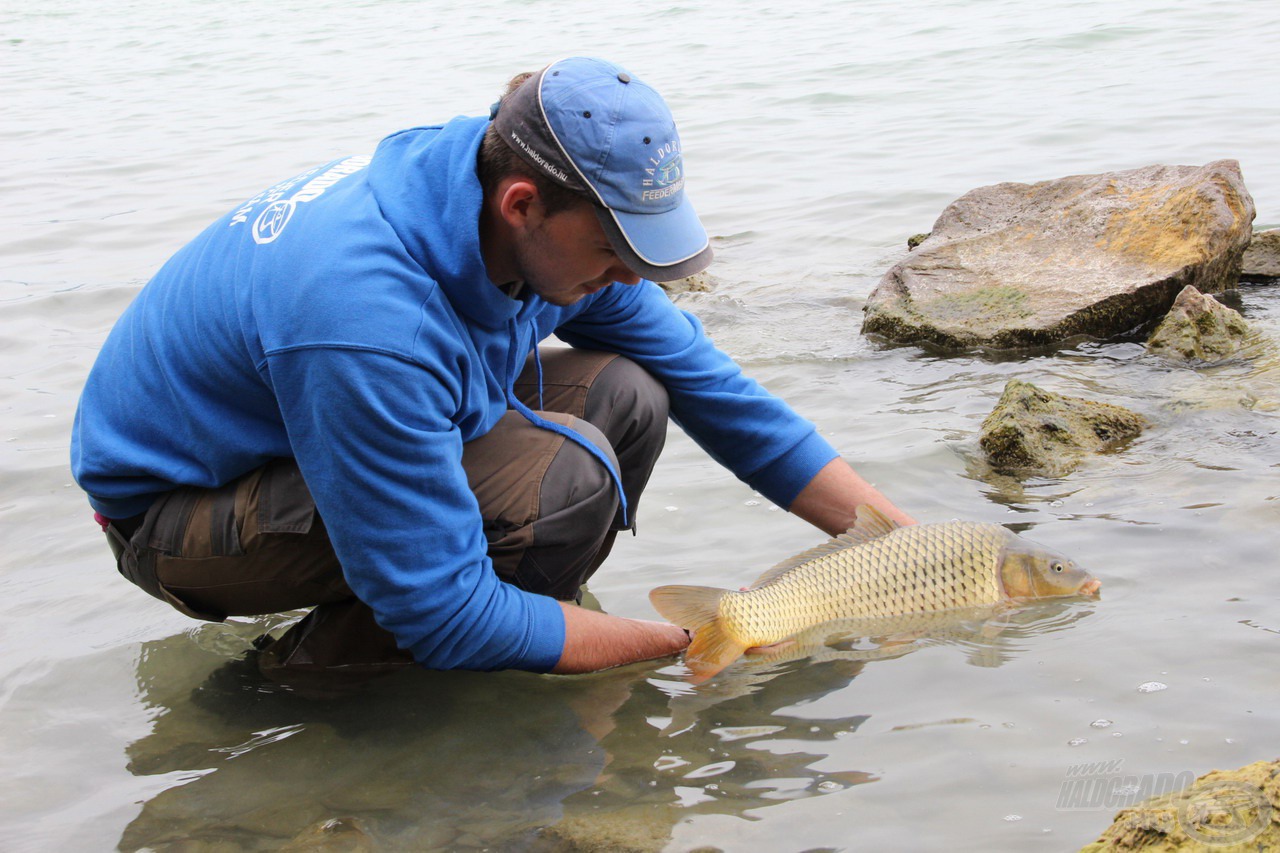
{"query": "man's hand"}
[(594, 640), (835, 492)]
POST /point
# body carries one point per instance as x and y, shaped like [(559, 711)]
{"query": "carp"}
[(875, 571)]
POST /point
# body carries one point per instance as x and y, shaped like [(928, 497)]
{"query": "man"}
[(333, 397)]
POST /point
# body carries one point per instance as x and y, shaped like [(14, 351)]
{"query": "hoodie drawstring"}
[(542, 423)]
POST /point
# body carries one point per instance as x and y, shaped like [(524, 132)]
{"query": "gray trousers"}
[(257, 545)]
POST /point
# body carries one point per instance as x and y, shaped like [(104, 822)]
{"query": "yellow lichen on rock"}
[(1155, 227)]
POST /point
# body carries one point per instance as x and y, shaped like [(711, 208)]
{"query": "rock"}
[(1031, 431), (698, 283), (1198, 328), (1013, 266), (639, 829), (1261, 261), (1223, 811), (337, 835), (915, 240)]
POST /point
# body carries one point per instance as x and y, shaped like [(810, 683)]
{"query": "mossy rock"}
[(1028, 266), (1198, 328), (1230, 811), (1032, 431)]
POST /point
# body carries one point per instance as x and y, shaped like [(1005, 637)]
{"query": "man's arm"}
[(594, 640), (756, 435), (835, 492)]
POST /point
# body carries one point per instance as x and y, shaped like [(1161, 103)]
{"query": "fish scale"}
[(913, 569)]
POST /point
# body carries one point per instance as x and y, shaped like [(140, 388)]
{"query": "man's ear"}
[(519, 203)]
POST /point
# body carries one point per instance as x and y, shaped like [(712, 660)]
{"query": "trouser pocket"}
[(203, 550)]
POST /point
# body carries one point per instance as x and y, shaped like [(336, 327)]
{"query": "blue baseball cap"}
[(595, 129)]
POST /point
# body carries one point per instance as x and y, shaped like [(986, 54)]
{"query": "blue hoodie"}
[(345, 318)]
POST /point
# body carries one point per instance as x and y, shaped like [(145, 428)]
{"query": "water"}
[(818, 138)]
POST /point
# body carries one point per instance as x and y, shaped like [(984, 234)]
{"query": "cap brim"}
[(659, 246)]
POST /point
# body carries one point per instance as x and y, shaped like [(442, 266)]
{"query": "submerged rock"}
[(1261, 261), (643, 828), (1229, 811), (1198, 328), (338, 835), (1014, 266), (1032, 431)]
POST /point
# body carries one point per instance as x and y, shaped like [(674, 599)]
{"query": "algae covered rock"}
[(1014, 266), (1032, 431), (1198, 328), (1224, 811), (337, 835), (1261, 261), (638, 829)]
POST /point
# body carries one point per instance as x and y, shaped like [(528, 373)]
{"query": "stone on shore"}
[(1014, 266), (1037, 432), (1198, 328), (1225, 811), (1261, 261), (697, 283)]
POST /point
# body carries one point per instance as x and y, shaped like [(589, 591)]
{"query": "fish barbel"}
[(875, 571)]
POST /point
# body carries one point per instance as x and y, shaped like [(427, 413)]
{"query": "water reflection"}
[(427, 760), (419, 761)]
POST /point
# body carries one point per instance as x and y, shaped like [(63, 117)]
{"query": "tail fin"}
[(697, 608)]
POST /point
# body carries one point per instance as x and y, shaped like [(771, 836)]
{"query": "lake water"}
[(818, 137)]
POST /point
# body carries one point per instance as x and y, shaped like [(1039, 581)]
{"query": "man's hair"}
[(498, 160)]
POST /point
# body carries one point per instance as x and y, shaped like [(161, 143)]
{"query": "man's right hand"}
[(595, 641)]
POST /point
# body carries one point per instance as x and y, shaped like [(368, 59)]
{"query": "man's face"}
[(565, 257)]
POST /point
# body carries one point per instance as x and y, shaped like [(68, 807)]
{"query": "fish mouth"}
[(1091, 587)]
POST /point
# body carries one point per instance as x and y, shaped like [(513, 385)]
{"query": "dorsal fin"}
[(870, 524)]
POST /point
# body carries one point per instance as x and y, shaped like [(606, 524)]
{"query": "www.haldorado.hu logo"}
[(1216, 813)]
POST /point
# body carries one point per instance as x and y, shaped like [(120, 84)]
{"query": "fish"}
[(877, 570), (829, 656)]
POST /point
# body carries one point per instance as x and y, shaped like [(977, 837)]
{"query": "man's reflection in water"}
[(419, 760), (425, 760)]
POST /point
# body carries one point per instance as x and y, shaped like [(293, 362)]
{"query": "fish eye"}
[(1057, 567)]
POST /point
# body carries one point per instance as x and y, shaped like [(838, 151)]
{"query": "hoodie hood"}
[(424, 181)]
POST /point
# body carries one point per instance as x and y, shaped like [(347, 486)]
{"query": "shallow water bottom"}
[(964, 741)]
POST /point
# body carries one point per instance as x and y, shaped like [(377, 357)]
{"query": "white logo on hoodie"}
[(275, 216)]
